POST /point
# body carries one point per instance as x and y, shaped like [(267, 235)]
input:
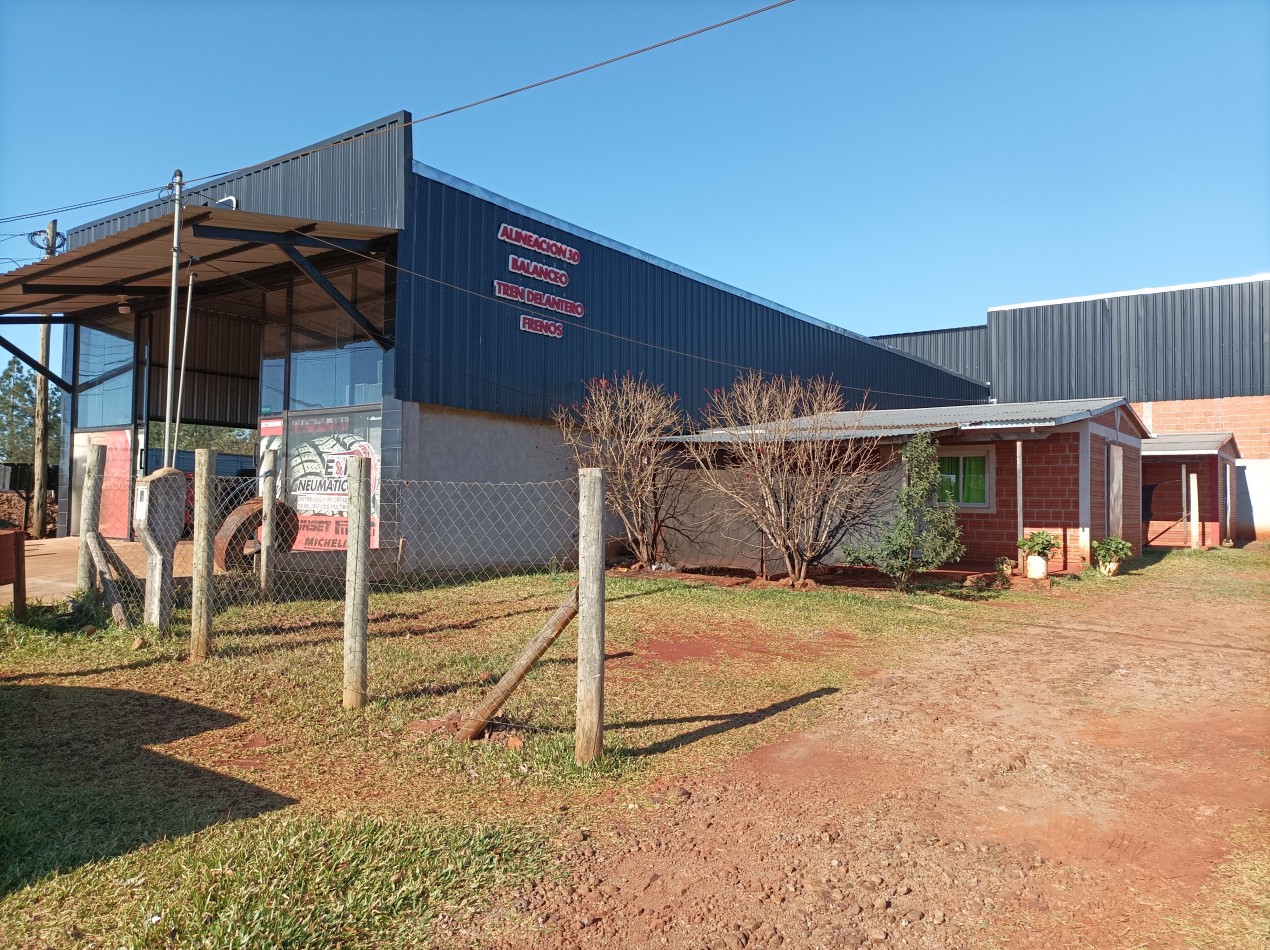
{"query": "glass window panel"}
[(948, 479), (332, 362), (273, 369), (105, 374), (974, 479)]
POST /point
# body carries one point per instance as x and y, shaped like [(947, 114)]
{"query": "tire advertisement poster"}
[(318, 450)]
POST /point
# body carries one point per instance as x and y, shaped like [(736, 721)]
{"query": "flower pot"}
[(1038, 568), (1110, 568)]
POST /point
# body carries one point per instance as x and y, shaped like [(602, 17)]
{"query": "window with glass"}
[(104, 373), (333, 363), (963, 479)]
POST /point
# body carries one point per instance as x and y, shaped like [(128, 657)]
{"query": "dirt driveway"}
[(1043, 786)]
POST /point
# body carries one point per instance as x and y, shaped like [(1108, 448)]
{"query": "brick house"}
[(1071, 467), (1191, 358), (1189, 494)]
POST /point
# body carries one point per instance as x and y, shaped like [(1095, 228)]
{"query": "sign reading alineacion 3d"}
[(536, 242), (538, 271)]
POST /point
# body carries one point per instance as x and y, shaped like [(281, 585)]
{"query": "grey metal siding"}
[(1194, 343), (358, 177), (963, 350), (459, 346)]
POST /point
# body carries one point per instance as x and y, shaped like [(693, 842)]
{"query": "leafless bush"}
[(789, 459), (620, 427)]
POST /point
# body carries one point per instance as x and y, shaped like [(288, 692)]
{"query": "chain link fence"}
[(423, 535)]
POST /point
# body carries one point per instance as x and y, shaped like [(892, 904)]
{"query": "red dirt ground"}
[(1052, 786)]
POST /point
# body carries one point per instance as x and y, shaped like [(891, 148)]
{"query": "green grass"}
[(240, 805), (280, 881)]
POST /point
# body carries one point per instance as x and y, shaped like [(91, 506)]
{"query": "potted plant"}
[(1038, 546), (1110, 552)]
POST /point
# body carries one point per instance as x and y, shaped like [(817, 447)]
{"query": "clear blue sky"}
[(886, 166)]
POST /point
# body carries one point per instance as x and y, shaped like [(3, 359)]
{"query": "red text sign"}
[(538, 325), (552, 275), (536, 242), (538, 298)]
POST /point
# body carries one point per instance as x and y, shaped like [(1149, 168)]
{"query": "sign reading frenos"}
[(537, 270)]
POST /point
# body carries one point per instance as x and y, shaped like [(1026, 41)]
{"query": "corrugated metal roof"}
[(875, 423), (136, 262), (1190, 443), (356, 177), (445, 178), (964, 350), (1251, 278), (994, 415), (1194, 343)]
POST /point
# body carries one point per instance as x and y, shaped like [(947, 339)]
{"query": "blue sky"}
[(884, 166)]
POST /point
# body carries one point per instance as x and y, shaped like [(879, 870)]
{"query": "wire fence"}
[(423, 535)]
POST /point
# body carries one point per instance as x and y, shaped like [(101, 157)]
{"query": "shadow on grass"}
[(80, 786), (94, 671), (717, 725), (380, 617)]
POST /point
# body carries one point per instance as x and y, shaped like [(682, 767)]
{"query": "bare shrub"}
[(621, 427), (789, 459)]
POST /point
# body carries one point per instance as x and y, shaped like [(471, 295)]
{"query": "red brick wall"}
[(1051, 501), (1165, 528), (1248, 417)]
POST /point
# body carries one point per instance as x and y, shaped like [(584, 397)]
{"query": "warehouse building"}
[(1194, 361), (349, 300)]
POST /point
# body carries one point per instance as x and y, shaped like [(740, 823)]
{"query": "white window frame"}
[(989, 453)]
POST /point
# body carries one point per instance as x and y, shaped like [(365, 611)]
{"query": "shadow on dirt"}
[(78, 784), (716, 724)]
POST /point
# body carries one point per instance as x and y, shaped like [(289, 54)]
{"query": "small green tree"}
[(17, 415), (923, 534)]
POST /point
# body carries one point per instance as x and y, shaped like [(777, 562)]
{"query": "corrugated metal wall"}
[(964, 350), (360, 180), (1194, 343), (457, 346)]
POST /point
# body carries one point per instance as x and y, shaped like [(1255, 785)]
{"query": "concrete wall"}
[(478, 491), (715, 540)]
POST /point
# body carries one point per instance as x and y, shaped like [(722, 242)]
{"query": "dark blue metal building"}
[(345, 285)]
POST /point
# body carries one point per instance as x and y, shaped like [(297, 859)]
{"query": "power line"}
[(428, 118), (82, 204), (573, 326)]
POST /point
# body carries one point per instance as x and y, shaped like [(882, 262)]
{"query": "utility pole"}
[(39, 492)]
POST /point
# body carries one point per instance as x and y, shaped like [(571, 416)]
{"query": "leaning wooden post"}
[(473, 726), (204, 537), (89, 515), (357, 583), (269, 524), (589, 736)]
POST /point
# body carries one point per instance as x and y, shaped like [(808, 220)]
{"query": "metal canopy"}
[(136, 263), (1191, 443)]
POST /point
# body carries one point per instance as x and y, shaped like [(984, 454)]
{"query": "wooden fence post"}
[(589, 736), (89, 516), (269, 523), (19, 575), (204, 568), (357, 583)]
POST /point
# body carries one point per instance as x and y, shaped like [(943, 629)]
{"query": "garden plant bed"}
[(1085, 768)]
